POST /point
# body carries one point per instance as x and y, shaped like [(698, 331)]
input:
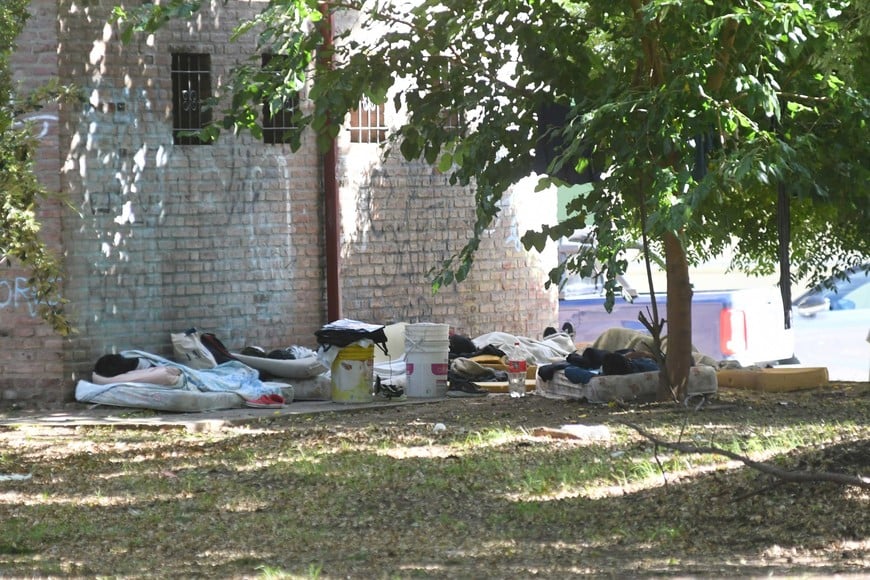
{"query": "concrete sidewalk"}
[(78, 415)]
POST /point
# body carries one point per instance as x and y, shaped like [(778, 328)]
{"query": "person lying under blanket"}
[(592, 362), (139, 367), (617, 351)]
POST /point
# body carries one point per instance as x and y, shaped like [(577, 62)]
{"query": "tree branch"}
[(726, 46), (791, 476)]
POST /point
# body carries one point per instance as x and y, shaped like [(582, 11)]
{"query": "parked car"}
[(831, 325)]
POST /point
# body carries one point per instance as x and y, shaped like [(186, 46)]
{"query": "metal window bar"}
[(453, 121), (191, 86), (368, 123), (277, 125)]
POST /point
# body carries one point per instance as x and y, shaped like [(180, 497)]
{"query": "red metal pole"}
[(332, 206)]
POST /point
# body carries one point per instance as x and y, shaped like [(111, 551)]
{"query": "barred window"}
[(368, 123), (277, 124), (191, 87), (453, 121)]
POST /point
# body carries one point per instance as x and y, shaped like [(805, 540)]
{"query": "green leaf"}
[(445, 163)]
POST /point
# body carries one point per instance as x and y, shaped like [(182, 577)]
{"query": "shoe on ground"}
[(385, 398), (266, 402), (465, 389), (388, 392)]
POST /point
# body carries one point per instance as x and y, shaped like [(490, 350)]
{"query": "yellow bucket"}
[(352, 374)]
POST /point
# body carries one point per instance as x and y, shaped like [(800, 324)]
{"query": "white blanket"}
[(552, 349)]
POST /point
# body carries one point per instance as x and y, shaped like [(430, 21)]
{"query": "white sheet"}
[(552, 349)]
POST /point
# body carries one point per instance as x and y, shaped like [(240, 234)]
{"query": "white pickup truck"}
[(743, 321)]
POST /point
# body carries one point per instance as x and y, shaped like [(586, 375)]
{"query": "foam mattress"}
[(301, 368), (775, 380), (157, 397), (636, 386)]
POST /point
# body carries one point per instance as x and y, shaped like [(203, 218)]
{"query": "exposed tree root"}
[(785, 475)]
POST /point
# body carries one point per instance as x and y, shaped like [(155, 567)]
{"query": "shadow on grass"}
[(378, 495)]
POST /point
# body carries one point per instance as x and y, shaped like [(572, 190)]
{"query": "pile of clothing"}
[(582, 367), (481, 359), (619, 366)]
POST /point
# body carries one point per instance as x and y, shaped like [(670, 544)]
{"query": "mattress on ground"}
[(775, 380), (636, 386), (297, 368), (159, 398)]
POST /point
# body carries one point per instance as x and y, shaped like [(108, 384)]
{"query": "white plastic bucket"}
[(352, 374), (427, 348)]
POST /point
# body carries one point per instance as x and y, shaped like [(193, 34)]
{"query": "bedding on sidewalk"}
[(227, 385)]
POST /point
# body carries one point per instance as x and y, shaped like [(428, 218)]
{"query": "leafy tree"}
[(697, 122), (20, 191)]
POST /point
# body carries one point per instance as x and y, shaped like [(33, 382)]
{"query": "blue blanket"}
[(232, 376)]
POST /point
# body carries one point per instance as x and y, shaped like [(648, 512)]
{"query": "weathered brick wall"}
[(229, 237), (31, 353), (225, 237), (402, 219), (407, 219)]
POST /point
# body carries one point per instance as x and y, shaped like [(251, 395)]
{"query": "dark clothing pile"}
[(464, 347), (592, 362)]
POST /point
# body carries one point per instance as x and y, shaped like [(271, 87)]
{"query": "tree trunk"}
[(673, 383), (674, 378)]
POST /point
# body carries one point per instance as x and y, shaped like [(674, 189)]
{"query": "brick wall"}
[(407, 219), (225, 237), (31, 354), (229, 237)]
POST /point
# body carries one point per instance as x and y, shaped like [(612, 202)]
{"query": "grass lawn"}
[(383, 493)]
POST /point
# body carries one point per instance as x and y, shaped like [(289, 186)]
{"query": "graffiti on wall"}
[(42, 120), (16, 294)]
